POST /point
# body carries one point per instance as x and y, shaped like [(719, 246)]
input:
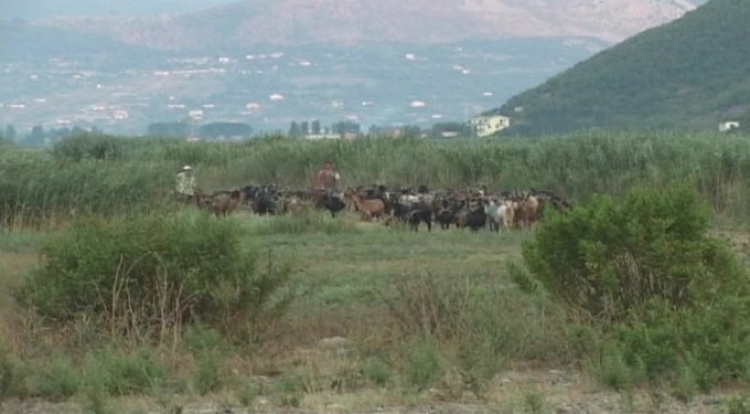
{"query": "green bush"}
[(670, 301), (7, 371), (712, 342), (737, 405), (34, 187), (207, 347), (115, 372), (148, 274), (377, 371), (424, 364), (88, 146), (483, 326), (608, 259), (57, 380)]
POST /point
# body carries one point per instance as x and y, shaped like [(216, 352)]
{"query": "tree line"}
[(38, 136)]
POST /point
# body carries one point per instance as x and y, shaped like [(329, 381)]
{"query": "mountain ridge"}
[(690, 73), (285, 22)]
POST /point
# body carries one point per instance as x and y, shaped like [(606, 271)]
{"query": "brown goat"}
[(201, 199), (225, 202), (526, 212), (368, 208)]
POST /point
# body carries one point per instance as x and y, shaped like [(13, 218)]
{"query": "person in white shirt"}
[(186, 183)]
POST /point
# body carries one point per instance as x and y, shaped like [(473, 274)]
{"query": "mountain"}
[(27, 43), (691, 73), (40, 9), (287, 22), (266, 63)]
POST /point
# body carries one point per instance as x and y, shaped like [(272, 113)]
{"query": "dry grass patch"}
[(13, 267)]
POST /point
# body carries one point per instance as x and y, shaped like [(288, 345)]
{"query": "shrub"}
[(608, 259), (57, 380), (247, 392), (737, 405), (430, 306), (672, 302), (34, 188), (377, 371), (713, 342), (149, 274), (88, 146), (116, 372), (479, 327), (7, 370), (207, 346), (424, 364)]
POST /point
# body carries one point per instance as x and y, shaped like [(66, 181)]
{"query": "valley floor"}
[(550, 391), (345, 268)]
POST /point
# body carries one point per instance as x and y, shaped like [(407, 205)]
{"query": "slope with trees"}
[(691, 73)]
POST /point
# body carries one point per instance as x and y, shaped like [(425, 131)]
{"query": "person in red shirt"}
[(327, 177)]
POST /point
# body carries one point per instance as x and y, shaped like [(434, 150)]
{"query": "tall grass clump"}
[(88, 146), (147, 276), (460, 327), (116, 372), (35, 188), (137, 171), (669, 301), (308, 220), (207, 346), (9, 373), (54, 380)]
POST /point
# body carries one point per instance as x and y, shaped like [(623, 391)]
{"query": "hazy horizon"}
[(40, 9)]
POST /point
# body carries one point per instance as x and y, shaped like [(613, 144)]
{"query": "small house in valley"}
[(729, 126), (486, 125)]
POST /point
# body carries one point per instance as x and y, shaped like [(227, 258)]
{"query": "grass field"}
[(346, 275), (378, 317)]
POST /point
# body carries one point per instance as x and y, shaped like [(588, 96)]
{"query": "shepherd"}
[(186, 183), (327, 178)]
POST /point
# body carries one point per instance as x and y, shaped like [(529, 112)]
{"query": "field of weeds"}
[(113, 299)]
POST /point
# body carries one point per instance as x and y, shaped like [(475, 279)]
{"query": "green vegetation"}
[(106, 295), (636, 85), (150, 274), (138, 174), (664, 295)]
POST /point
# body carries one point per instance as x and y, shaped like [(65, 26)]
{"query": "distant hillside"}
[(40, 9), (23, 42), (288, 22), (691, 73)]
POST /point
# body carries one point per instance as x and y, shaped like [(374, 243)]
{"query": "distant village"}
[(191, 129), (65, 95)]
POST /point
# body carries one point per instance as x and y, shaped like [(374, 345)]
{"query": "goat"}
[(225, 202), (334, 203), (476, 218), (525, 211), (492, 209), (369, 209), (414, 214)]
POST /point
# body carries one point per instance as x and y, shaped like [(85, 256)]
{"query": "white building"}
[(486, 125), (728, 126)]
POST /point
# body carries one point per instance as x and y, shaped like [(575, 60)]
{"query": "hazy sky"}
[(34, 9)]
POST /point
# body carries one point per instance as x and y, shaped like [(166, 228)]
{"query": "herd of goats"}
[(473, 209)]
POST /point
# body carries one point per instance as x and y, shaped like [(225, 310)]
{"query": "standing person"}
[(327, 177), (186, 183), (336, 177)]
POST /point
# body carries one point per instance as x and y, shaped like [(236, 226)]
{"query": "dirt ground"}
[(553, 392)]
